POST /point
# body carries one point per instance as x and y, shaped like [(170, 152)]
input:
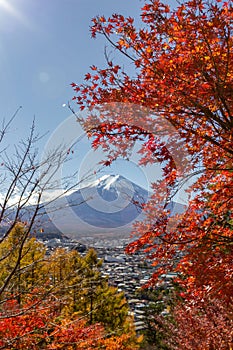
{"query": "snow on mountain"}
[(110, 181), (108, 205), (105, 181), (110, 188)]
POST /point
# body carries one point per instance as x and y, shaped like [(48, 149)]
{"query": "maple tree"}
[(183, 59), (207, 325), (79, 335), (37, 328)]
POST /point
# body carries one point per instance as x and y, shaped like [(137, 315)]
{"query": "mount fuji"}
[(108, 205)]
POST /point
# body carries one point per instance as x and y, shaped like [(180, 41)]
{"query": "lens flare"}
[(14, 12)]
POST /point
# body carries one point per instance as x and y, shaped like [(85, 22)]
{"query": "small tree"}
[(21, 265), (79, 287)]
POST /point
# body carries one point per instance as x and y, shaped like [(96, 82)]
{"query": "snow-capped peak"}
[(105, 181), (109, 181)]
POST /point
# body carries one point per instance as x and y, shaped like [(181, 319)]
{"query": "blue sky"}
[(44, 46)]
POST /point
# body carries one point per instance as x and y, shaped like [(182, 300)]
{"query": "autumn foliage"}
[(58, 301), (207, 325), (39, 329), (183, 60)]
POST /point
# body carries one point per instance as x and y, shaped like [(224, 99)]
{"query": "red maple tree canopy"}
[(182, 81)]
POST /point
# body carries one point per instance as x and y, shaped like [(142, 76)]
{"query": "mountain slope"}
[(108, 205), (109, 202)]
